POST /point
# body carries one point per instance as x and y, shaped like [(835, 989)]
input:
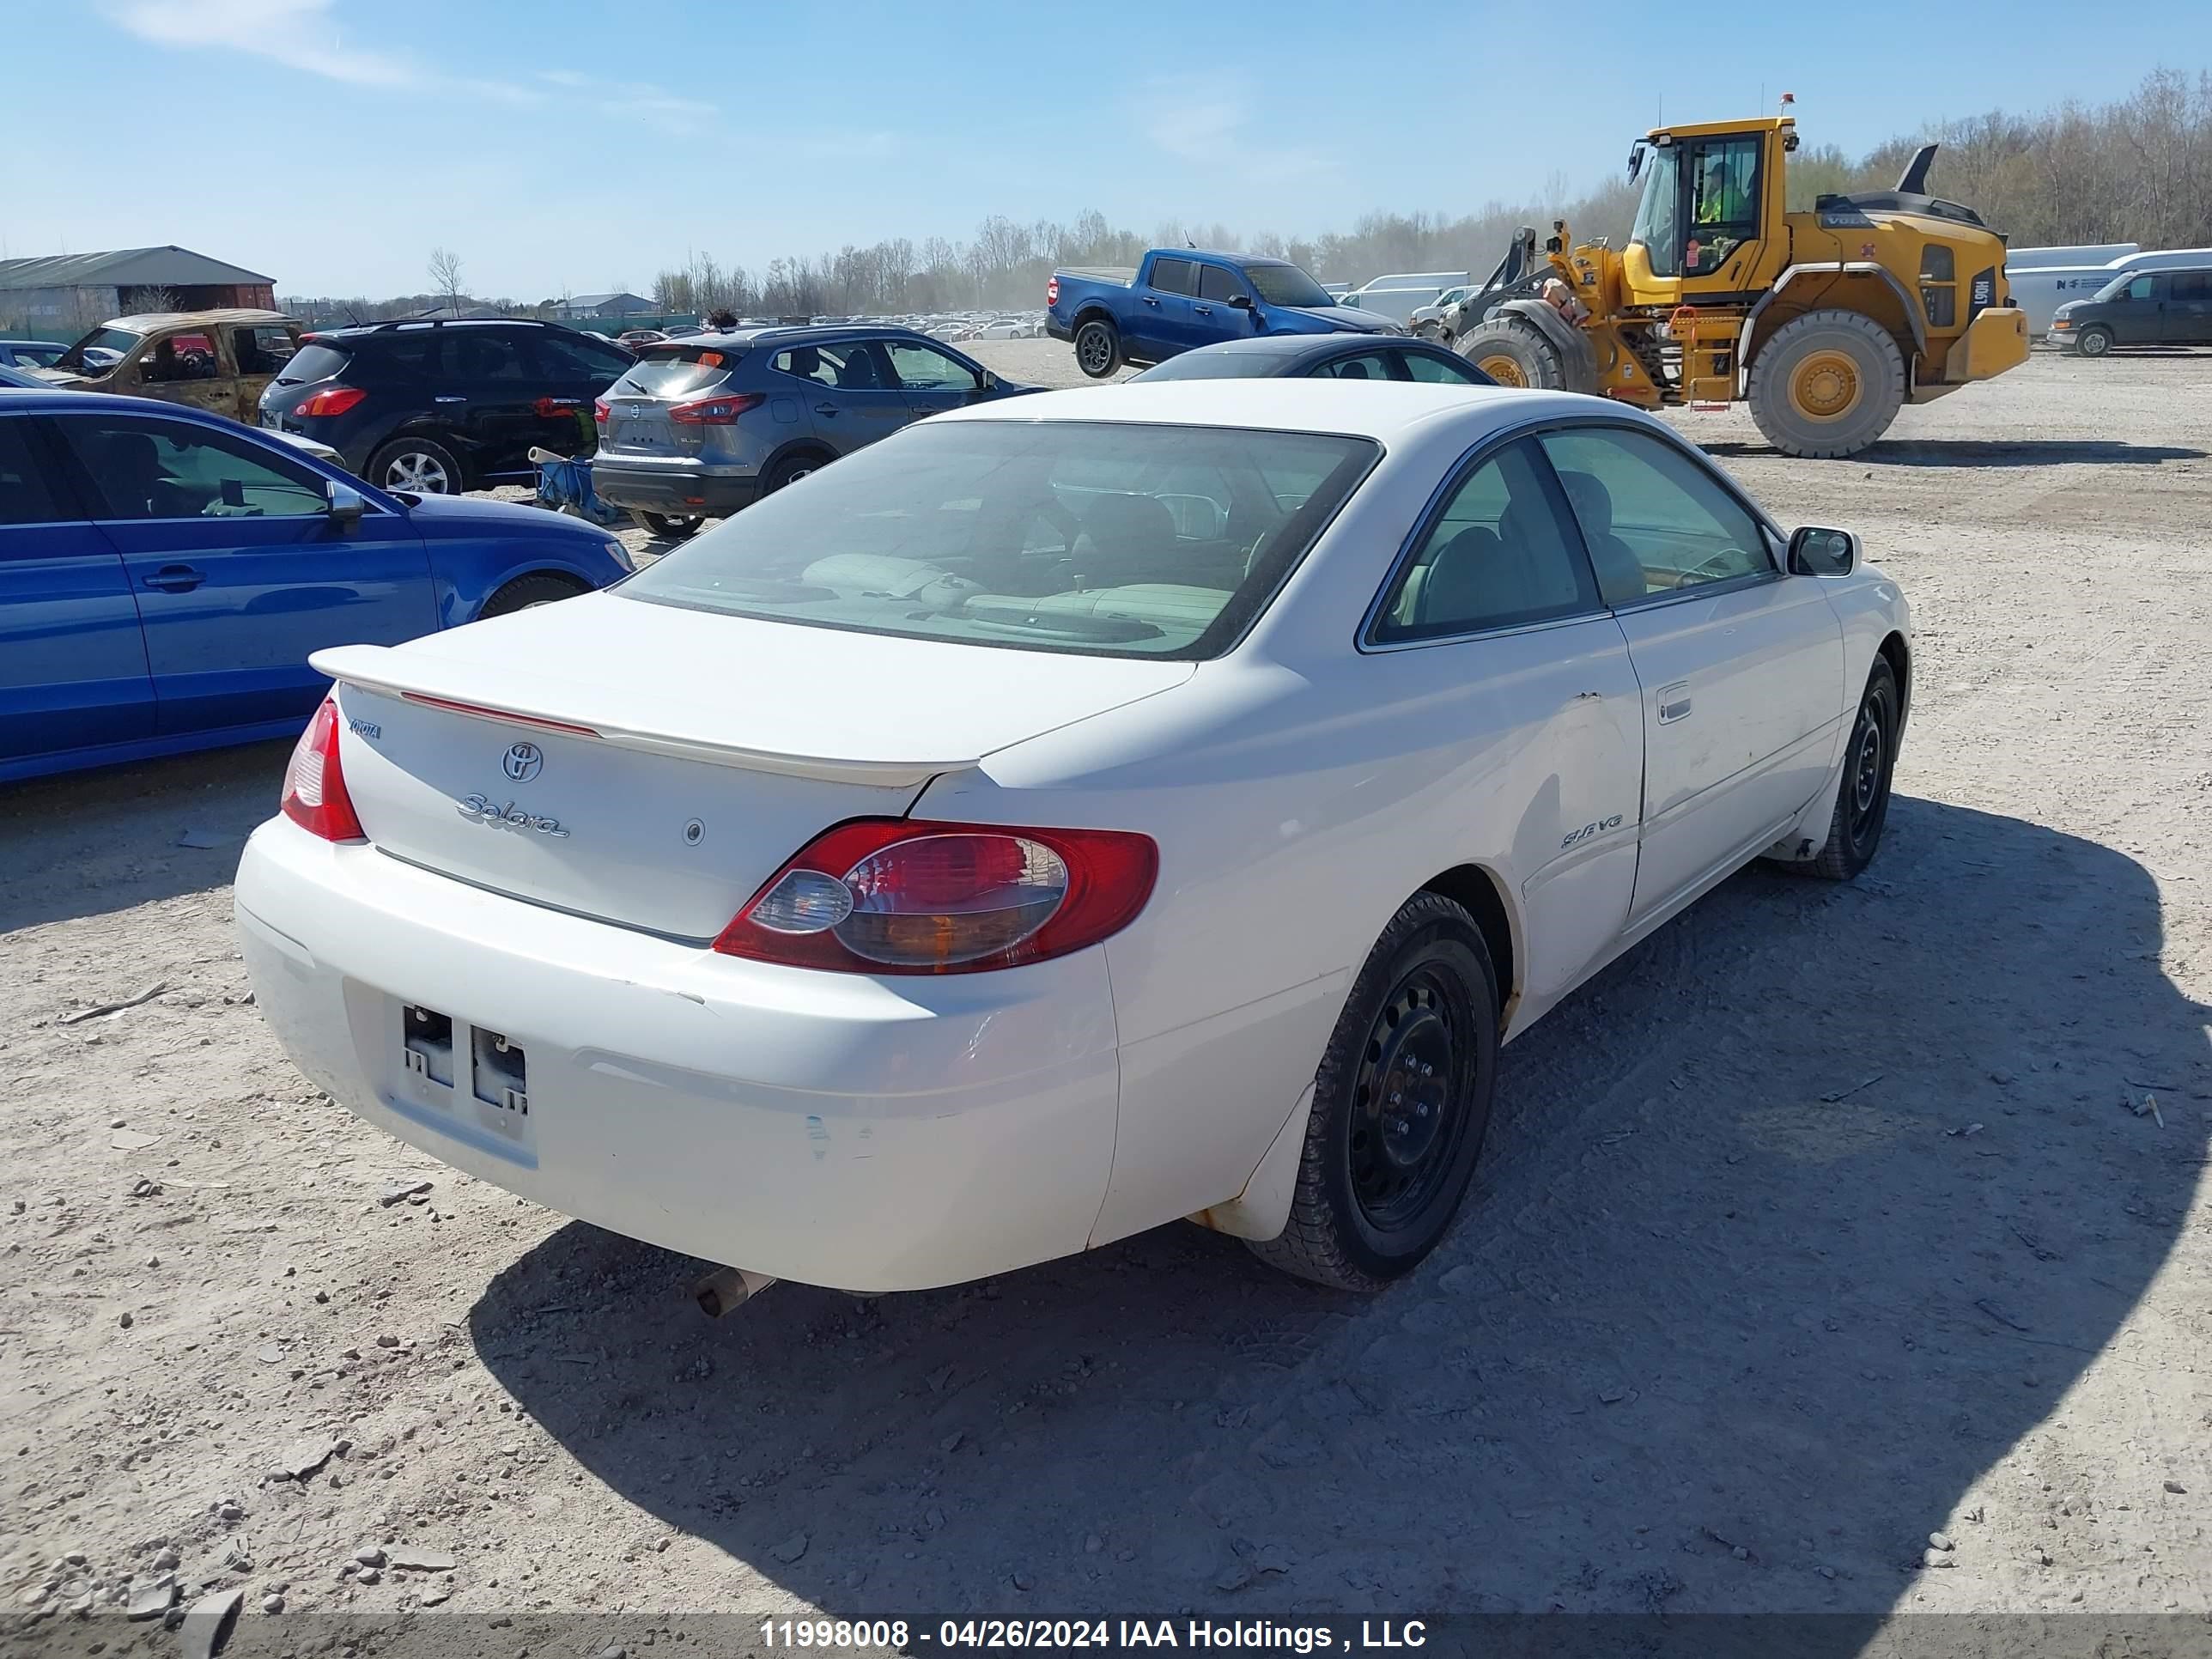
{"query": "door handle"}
[(1151, 302), (825, 409), (175, 579), (1204, 311), (448, 400), (1673, 701)]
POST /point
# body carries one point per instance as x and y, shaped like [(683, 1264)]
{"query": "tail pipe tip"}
[(725, 1289)]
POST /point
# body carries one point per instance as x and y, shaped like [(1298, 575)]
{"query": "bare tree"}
[(445, 276)]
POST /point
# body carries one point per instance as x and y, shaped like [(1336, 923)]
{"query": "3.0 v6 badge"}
[(481, 809), (1589, 830)]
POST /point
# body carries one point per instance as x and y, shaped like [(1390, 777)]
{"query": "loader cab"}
[(1709, 197)]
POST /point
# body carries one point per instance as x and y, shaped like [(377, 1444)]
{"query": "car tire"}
[(2093, 341), (1098, 347), (419, 466), (789, 471), (1513, 351), (524, 593), (1827, 385), (1377, 1189), (1861, 806), (669, 526)]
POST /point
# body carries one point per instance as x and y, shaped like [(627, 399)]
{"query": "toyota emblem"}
[(523, 761)]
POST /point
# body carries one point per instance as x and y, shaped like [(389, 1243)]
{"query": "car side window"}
[(846, 365), (486, 354), (925, 369), (1446, 371), (2139, 289), (1219, 283), (260, 348), (1496, 556), (2189, 287), (26, 490), (180, 357), (1367, 366), (566, 358), (1174, 276), (1654, 519), (155, 469)]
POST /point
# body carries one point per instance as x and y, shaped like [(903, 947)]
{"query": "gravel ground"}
[(1825, 1258)]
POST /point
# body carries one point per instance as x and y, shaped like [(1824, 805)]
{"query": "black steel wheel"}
[(1402, 1103), (1861, 806)]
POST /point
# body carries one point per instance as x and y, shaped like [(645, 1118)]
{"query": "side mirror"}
[(1241, 301), (347, 504), (1817, 552), (990, 380)]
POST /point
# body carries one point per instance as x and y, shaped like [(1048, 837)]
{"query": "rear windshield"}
[(313, 362), (677, 372), (1080, 536)]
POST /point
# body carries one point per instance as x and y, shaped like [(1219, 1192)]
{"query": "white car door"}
[(1493, 635), (1741, 665)]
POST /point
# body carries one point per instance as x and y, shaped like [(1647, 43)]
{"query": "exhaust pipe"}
[(725, 1289)]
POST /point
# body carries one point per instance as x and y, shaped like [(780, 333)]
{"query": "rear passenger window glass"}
[(1173, 276), (27, 496), (567, 358), (1497, 556), (2191, 287), (1368, 366), (1653, 518), (1219, 283), (1452, 371), (846, 365), (484, 353)]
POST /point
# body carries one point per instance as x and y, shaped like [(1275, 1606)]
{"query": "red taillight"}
[(1052, 292), (715, 411), (330, 400), (315, 795), (899, 896), (599, 411)]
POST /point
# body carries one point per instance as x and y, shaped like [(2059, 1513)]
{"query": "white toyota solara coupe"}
[(1068, 814)]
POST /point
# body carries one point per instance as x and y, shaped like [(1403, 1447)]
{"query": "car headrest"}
[(1130, 526)]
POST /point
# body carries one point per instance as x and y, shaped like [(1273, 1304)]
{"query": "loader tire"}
[(1827, 385), (1513, 351)]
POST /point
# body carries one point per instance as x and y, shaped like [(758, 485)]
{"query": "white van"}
[(2039, 290)]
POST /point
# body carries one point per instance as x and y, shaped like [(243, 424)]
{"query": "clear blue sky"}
[(586, 144)]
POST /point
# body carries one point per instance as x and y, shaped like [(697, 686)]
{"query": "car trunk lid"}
[(652, 765)]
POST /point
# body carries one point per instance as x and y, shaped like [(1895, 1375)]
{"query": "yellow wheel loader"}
[(1825, 322)]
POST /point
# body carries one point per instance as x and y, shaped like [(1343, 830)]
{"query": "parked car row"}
[(166, 573)]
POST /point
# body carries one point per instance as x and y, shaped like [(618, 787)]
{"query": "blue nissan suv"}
[(703, 426), (165, 573)]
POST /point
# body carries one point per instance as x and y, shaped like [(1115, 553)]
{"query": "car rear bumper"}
[(1058, 329), (679, 492), (867, 1134)]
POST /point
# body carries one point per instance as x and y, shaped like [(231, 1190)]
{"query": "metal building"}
[(69, 293)]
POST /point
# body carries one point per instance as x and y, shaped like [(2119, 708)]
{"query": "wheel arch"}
[(1479, 892), (1795, 294), (1899, 655), (464, 610), (821, 451)]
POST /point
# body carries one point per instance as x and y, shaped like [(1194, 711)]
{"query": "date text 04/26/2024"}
[(966, 1635)]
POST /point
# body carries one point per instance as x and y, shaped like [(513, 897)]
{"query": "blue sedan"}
[(165, 573)]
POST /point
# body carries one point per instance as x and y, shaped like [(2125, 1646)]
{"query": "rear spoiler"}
[(511, 697)]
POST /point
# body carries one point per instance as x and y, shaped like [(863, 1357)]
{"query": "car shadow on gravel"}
[(1793, 1224), (1996, 452), (87, 843)]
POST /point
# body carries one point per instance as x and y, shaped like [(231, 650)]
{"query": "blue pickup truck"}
[(1180, 298)]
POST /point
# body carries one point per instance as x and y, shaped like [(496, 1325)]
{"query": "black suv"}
[(439, 407)]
